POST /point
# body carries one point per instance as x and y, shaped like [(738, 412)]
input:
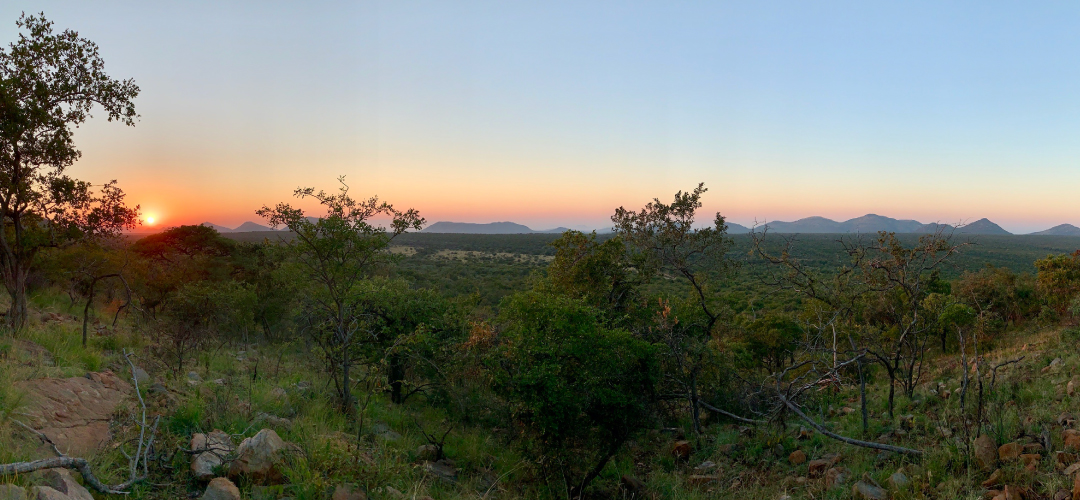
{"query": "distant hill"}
[(1060, 230), (243, 228), (733, 228), (872, 223), (473, 228)]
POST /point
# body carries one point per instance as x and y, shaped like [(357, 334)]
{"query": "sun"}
[(150, 220)]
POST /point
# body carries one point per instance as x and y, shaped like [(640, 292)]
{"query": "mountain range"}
[(867, 224), (489, 228)]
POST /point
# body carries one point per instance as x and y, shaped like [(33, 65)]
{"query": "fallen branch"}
[(730, 415), (865, 444), (78, 464)]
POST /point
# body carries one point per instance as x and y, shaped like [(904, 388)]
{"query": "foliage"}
[(1058, 279)]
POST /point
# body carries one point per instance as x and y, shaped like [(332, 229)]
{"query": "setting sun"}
[(150, 221)]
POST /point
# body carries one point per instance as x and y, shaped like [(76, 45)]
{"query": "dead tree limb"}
[(855, 442), (78, 464), (730, 415)]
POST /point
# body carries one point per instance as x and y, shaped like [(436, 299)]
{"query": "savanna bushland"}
[(349, 358)]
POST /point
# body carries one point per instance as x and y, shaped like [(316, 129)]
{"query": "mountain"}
[(982, 226), (243, 228), (251, 226), (1060, 230), (472, 228), (872, 223), (733, 228)]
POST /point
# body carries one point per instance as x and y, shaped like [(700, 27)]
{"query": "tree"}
[(664, 240), (337, 253), (1059, 279), (576, 389), (50, 82)]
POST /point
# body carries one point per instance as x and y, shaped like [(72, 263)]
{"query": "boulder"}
[(1031, 460), (221, 489), (427, 452), (868, 491), (1076, 487), (209, 452), (1072, 439), (1062, 495), (12, 492), (260, 457), (1009, 451), (74, 412), (349, 492), (797, 457), (993, 480), (985, 452), (818, 467), (835, 477)]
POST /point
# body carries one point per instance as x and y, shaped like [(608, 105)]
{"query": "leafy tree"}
[(600, 273), (177, 257), (49, 83), (337, 253), (577, 390), (663, 240), (1058, 279)]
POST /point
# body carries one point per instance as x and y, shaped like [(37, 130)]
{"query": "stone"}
[(427, 453), (73, 412), (1070, 388), (1076, 487), (260, 457), (681, 450), (209, 452), (46, 493), (1064, 458), (393, 492), (805, 433), (443, 469), (194, 377), (303, 385), (279, 393), (12, 492), (835, 477), (349, 492), (705, 466), (899, 481), (1033, 448), (275, 421), (993, 480), (64, 483), (1009, 451), (1062, 495), (1066, 419), (634, 486), (818, 467), (907, 422), (868, 491), (797, 457), (1070, 470), (221, 489), (1071, 438), (1031, 460), (985, 452), (141, 376)]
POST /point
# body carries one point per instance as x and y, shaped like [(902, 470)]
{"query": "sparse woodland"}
[(667, 360)]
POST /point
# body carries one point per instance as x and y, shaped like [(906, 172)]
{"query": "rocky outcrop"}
[(209, 452), (12, 492), (60, 485), (74, 412)]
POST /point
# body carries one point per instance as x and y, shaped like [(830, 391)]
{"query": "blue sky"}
[(555, 113)]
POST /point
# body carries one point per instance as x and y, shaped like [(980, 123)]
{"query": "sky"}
[(555, 113)]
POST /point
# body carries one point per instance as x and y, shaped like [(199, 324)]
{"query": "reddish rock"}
[(74, 412), (1031, 460), (797, 457), (993, 480), (985, 452), (681, 450), (1072, 439), (221, 489), (835, 477), (818, 467), (1009, 451)]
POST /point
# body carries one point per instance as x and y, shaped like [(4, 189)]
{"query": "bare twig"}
[(865, 444)]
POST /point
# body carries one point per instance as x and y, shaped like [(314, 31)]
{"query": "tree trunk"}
[(396, 376), (862, 399), (15, 282)]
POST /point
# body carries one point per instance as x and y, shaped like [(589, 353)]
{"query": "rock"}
[(1076, 487), (443, 469), (1012, 493), (393, 492), (35, 352), (61, 481), (46, 493), (634, 486), (1009, 451), (985, 452), (216, 446), (1066, 420), (12, 492), (275, 421), (907, 422), (705, 466), (1031, 460), (221, 489), (818, 467), (303, 385), (1070, 388), (349, 492), (993, 480), (1033, 448), (681, 450), (797, 457), (805, 433), (1055, 364), (427, 453), (899, 481), (279, 393), (1062, 495), (1064, 458), (1071, 438), (260, 457), (835, 477), (141, 376), (194, 377), (868, 491), (74, 412)]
